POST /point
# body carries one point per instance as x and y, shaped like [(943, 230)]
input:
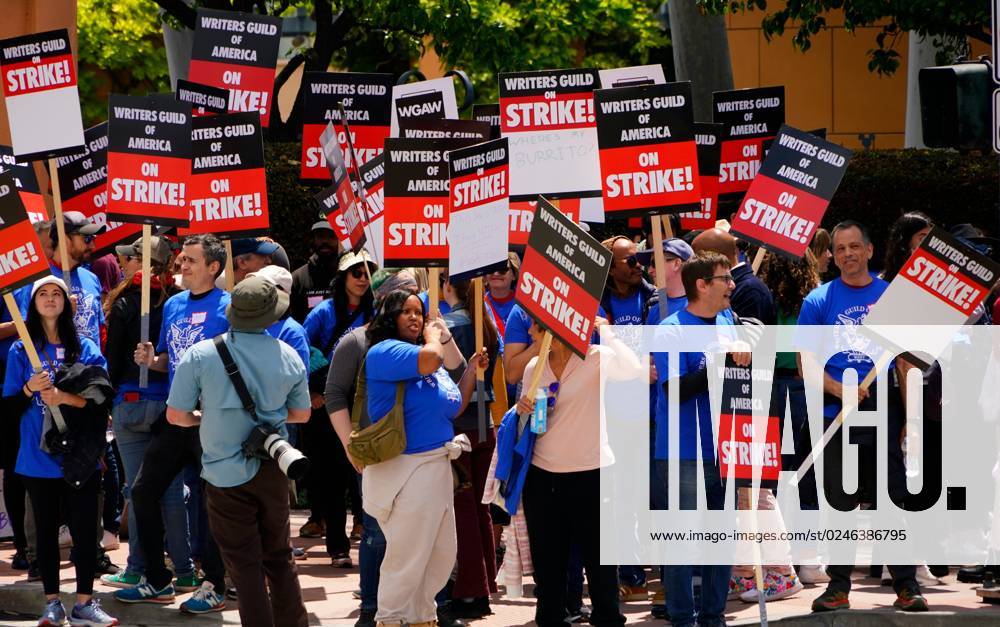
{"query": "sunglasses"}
[(358, 272), (631, 261), (553, 394), (88, 239), (504, 271)]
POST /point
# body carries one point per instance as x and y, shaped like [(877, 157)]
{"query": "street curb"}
[(27, 598), (878, 618)]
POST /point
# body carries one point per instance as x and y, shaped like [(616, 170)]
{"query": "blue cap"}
[(257, 245), (674, 247)]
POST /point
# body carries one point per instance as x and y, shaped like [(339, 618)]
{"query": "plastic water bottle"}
[(539, 419)]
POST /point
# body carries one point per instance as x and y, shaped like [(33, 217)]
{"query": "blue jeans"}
[(677, 580), (794, 390), (371, 552), (131, 423)]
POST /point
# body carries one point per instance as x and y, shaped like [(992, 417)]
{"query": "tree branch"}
[(180, 10)]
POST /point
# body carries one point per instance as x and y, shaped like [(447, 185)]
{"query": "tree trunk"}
[(701, 53)]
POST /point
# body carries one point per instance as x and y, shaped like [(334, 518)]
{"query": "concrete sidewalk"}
[(328, 595)]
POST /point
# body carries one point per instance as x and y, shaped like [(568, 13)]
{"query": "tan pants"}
[(419, 533)]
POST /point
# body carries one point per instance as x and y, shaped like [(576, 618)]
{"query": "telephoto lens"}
[(290, 460)]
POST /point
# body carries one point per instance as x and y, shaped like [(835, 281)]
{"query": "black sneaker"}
[(476, 608), (579, 615), (830, 601), (445, 619), (105, 566), (33, 573), (20, 562), (910, 601), (366, 619)]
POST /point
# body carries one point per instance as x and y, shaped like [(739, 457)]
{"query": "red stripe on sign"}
[(21, 256), (556, 300), (158, 196), (416, 228), (740, 162), (779, 216), (249, 87), (650, 176), (704, 219), (943, 281), (228, 203), (92, 204), (478, 189), (537, 113), (368, 141), (34, 204), (522, 213), (746, 452), (30, 77)]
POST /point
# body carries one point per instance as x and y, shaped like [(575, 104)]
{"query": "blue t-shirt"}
[(31, 460), (840, 305), (443, 306), (89, 316), (291, 332), (431, 401), (695, 410), (674, 304), (320, 324), (500, 308), (518, 323), (628, 309), (189, 319)]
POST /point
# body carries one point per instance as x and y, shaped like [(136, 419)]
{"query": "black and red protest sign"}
[(708, 137), (522, 214), (204, 99), (21, 257), (649, 160), (26, 182), (431, 128), (479, 209), (83, 186), (562, 277), (238, 52), (40, 91), (747, 447), (549, 118), (149, 160), (489, 113), (416, 201), (367, 100), (344, 190), (750, 117), (329, 208), (228, 185), (788, 198)]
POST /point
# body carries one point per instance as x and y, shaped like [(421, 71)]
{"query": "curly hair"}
[(897, 248), (384, 325), (790, 280)]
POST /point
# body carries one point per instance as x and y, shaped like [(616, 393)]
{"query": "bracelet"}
[(26, 388), (450, 338)]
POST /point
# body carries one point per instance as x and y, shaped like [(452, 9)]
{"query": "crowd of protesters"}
[(161, 427)]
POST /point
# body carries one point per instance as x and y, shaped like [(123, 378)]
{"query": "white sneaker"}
[(813, 574), (65, 539), (925, 578), (110, 541)]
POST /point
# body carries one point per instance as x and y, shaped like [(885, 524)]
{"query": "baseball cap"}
[(351, 259), (675, 247), (277, 275), (76, 222), (49, 280), (322, 225), (257, 245), (256, 304), (159, 249)]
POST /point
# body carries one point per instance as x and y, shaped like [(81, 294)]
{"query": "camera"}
[(266, 442)]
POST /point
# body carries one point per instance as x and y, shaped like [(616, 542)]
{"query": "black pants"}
[(563, 509), (903, 577), (49, 497), (171, 449), (331, 478)]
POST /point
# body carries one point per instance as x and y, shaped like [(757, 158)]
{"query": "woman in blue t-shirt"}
[(411, 495), (26, 394)]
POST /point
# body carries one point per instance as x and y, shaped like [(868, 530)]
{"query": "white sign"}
[(479, 207), (434, 99), (633, 76)]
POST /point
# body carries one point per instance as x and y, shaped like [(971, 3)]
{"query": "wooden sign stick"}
[(477, 323), (536, 376), (29, 350), (60, 226), (660, 262), (758, 259), (230, 265), (434, 292), (147, 268)]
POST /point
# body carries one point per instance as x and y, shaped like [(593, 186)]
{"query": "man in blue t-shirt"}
[(627, 294), (197, 314), (751, 298), (709, 285), (844, 304)]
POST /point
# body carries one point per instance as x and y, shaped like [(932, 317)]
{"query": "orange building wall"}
[(829, 86)]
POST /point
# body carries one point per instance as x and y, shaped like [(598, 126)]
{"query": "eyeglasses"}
[(357, 273), (728, 278)]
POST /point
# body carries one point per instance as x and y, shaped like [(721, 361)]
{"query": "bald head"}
[(719, 241)]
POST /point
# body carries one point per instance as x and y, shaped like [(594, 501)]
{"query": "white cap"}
[(281, 278), (49, 280)]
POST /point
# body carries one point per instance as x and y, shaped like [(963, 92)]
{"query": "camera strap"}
[(234, 375)]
